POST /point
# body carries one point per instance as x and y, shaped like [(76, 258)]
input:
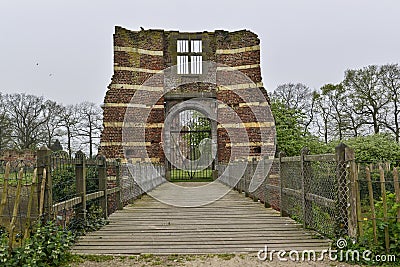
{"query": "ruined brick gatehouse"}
[(140, 54)]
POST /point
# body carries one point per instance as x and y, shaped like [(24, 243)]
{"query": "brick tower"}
[(138, 55)]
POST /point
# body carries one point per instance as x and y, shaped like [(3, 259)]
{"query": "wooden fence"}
[(371, 186), (68, 184), (61, 188), (10, 222)]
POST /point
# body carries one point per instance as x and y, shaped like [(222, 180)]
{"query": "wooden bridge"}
[(232, 224)]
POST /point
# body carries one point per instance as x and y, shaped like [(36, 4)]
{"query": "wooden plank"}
[(94, 195), (11, 237), (321, 157), (232, 224), (290, 159), (67, 204), (196, 227), (292, 192), (196, 238), (29, 208), (169, 251), (200, 247), (322, 201), (42, 191), (200, 243), (352, 204), (112, 190)]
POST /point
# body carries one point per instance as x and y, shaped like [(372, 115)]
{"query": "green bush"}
[(94, 221), (47, 246), (63, 184), (373, 148), (393, 227), (366, 242)]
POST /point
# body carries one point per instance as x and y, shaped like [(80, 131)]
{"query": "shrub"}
[(63, 184), (373, 148), (366, 242), (47, 246)]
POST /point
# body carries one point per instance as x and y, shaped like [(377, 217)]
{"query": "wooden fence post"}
[(353, 198), (118, 195), (306, 183), (102, 171), (267, 178), (29, 208), (80, 180), (397, 191), (245, 177), (4, 195), (341, 200), (11, 237), (281, 186), (43, 162), (384, 205), (253, 174), (371, 203)]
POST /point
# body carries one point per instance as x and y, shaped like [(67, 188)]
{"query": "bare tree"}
[(26, 113), (69, 122), (5, 127), (323, 110), (52, 123), (90, 124), (297, 97)]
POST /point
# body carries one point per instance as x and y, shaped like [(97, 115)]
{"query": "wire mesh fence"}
[(291, 188), (321, 195), (312, 189), (140, 177)]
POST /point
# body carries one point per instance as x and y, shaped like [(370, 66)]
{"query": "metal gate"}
[(190, 152)]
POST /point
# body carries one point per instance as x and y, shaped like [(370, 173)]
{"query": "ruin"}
[(140, 55)]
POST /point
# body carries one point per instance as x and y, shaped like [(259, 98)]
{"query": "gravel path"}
[(196, 261)]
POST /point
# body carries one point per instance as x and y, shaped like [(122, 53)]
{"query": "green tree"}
[(366, 93), (200, 128), (390, 78), (289, 134)]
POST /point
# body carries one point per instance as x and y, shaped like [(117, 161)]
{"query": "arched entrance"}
[(190, 138)]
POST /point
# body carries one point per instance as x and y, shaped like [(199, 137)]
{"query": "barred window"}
[(189, 58)]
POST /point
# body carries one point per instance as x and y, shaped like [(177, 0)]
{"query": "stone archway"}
[(190, 140)]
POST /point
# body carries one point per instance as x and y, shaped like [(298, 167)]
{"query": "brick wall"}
[(139, 54), (16, 155)]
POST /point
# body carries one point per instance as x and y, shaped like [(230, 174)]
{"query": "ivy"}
[(47, 246)]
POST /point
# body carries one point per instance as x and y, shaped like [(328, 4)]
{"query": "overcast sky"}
[(62, 50)]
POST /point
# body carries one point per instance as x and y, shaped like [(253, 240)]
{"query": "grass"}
[(226, 256), (183, 175), (148, 259), (93, 258)]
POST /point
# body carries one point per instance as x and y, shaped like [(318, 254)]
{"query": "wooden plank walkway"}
[(233, 224)]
